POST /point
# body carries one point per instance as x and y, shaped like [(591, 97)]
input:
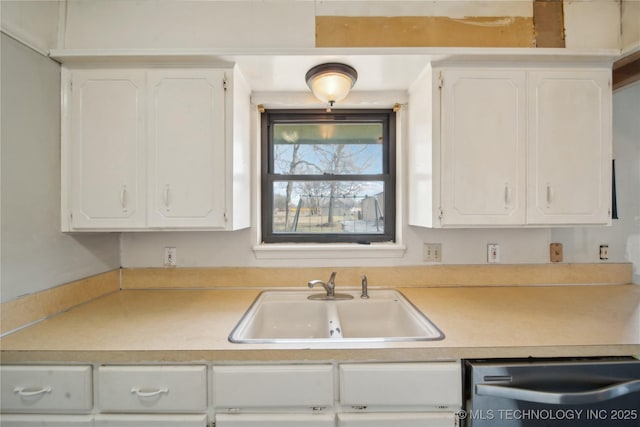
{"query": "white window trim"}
[(380, 250)]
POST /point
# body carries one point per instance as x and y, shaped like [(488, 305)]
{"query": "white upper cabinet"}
[(483, 146), (569, 147), (105, 150), (186, 148), (506, 146), (152, 149)]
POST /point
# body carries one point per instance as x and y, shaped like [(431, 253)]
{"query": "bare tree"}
[(322, 157)]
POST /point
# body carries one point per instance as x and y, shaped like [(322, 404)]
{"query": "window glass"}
[(311, 149), (328, 207), (328, 177)]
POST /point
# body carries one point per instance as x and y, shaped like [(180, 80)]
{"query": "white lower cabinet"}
[(275, 420), (176, 389), (424, 394), (297, 388), (432, 419), (347, 395), (151, 420), (423, 386), (399, 394), (46, 420), (46, 389)]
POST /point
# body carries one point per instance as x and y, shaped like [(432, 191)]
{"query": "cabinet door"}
[(275, 420), (432, 419), (295, 387), (483, 139), (46, 389), (371, 386), (178, 389), (569, 147), (151, 420), (46, 420), (106, 149), (186, 148)]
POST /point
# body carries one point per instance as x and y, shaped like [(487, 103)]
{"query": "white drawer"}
[(433, 419), (151, 420), (152, 388), (51, 389), (275, 420), (285, 386), (46, 420), (424, 385)]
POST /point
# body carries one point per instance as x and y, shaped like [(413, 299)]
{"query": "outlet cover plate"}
[(432, 252), (170, 254), (493, 253)]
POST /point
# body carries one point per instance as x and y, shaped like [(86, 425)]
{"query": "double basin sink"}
[(291, 317)]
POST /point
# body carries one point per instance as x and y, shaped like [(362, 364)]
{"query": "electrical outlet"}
[(432, 252), (604, 252), (493, 253), (170, 257)]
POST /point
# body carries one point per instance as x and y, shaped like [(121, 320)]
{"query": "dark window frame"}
[(386, 117)]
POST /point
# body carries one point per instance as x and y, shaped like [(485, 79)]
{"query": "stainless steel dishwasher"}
[(552, 393)]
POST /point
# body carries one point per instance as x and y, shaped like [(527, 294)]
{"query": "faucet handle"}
[(365, 293)]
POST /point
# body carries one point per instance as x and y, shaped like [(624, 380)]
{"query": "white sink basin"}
[(289, 317)]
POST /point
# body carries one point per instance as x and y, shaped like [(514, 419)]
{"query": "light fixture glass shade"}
[(331, 82)]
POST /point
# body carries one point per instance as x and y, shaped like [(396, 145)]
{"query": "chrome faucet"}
[(329, 286)]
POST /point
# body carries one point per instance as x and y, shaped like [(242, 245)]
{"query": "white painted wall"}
[(33, 22), (630, 25), (290, 24), (623, 237), (126, 24), (35, 255), (593, 24)]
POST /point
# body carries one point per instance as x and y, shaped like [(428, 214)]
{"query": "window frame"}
[(387, 118)]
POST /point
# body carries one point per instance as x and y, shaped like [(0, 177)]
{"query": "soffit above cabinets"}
[(284, 71)]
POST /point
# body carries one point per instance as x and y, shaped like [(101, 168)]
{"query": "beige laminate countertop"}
[(136, 326)]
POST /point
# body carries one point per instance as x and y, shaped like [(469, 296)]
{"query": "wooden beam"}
[(626, 71), (548, 21), (424, 31)]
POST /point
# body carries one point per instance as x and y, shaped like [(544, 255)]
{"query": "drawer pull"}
[(149, 392), (31, 391)]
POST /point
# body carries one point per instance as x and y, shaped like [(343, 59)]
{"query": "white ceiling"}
[(286, 73)]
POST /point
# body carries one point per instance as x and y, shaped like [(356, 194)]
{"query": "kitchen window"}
[(328, 177)]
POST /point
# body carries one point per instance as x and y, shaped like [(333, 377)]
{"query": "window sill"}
[(328, 251)]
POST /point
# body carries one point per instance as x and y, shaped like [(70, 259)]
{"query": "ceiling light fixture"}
[(331, 82)]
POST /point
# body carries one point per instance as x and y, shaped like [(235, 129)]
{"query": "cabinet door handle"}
[(149, 392), (507, 196), (167, 195), (549, 195), (123, 198), (32, 391)]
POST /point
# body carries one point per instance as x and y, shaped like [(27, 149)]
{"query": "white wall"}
[(33, 22), (246, 24), (280, 24), (165, 24), (35, 255), (630, 25), (623, 237)]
